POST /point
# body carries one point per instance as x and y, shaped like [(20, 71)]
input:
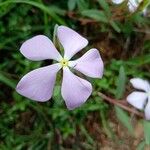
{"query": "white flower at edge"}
[(117, 1), (140, 99), (132, 4)]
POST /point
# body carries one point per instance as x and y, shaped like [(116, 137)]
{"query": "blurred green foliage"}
[(25, 124)]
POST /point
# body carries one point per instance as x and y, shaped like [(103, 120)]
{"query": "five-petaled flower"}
[(140, 99), (38, 84), (132, 4)]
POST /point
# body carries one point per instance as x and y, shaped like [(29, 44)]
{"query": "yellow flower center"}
[(64, 62)]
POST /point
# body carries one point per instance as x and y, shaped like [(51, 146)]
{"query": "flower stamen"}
[(64, 62)]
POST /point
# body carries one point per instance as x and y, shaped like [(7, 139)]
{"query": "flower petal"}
[(140, 84), (137, 99), (75, 90), (38, 84), (132, 8), (71, 41), (133, 4), (117, 1), (40, 47), (89, 64), (147, 109)]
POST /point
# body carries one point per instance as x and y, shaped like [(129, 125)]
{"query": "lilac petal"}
[(147, 109), (38, 84), (137, 99), (39, 47), (89, 64), (71, 41), (75, 90), (140, 84), (132, 4)]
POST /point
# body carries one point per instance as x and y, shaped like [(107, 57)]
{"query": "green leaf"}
[(88, 137), (139, 61), (106, 126), (6, 9), (57, 91), (124, 119), (121, 83), (57, 96), (57, 10), (141, 146), (55, 39), (143, 5), (147, 132), (7, 81), (122, 115), (54, 34), (105, 6), (115, 26), (72, 4), (95, 14), (82, 4), (38, 5)]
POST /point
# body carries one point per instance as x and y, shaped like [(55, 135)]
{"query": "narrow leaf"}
[(7, 81), (147, 132), (124, 119), (72, 4), (115, 26), (105, 6), (121, 114), (95, 14), (121, 83), (143, 5), (141, 146), (82, 5)]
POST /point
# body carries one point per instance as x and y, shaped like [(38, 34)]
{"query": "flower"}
[(140, 99), (38, 84), (132, 4), (117, 1)]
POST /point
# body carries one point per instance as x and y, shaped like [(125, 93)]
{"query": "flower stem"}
[(120, 104)]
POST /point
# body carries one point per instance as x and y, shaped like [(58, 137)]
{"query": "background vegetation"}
[(123, 40)]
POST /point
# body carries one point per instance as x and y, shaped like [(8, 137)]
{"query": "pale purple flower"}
[(140, 99), (38, 84)]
